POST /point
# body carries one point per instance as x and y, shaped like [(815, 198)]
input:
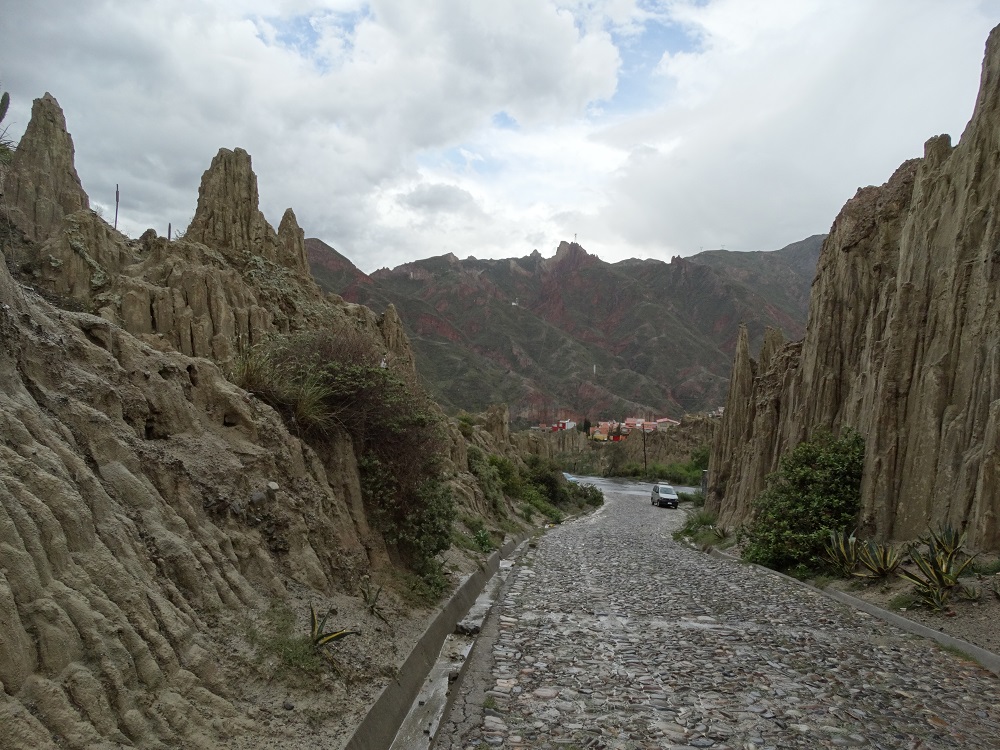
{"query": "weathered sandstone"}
[(903, 344), (149, 507), (42, 185)]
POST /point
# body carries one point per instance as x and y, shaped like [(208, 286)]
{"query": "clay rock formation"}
[(137, 499), (228, 284), (228, 216), (902, 344), (42, 185), (146, 503)]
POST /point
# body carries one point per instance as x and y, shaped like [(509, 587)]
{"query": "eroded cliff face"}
[(43, 185), (148, 507), (901, 344), (139, 493)]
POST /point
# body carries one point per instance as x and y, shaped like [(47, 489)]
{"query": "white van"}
[(663, 496)]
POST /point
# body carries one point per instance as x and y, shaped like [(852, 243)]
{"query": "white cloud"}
[(400, 130)]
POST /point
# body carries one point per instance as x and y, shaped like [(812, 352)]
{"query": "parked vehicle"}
[(663, 495)]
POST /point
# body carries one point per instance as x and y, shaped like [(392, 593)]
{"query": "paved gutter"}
[(384, 719)]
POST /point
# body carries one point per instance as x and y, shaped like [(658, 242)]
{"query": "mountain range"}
[(573, 335)]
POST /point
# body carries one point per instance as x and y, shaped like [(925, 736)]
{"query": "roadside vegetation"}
[(6, 144), (325, 383), (816, 490), (802, 525), (942, 572), (702, 529), (687, 474), (540, 489)]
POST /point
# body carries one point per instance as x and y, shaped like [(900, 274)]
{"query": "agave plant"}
[(842, 552), (880, 560), (318, 637), (936, 599), (947, 540), (371, 594), (970, 593)]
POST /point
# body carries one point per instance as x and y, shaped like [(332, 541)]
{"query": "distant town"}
[(614, 431)]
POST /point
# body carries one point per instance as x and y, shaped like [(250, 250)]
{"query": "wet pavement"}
[(610, 635)]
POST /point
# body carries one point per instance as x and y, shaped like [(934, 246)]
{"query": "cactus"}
[(6, 145)]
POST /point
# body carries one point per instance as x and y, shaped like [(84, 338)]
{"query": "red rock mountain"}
[(575, 335)]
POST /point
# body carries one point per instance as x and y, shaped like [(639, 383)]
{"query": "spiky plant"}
[(935, 598), (371, 594), (879, 560), (842, 552), (970, 593), (947, 540), (6, 145), (318, 637)]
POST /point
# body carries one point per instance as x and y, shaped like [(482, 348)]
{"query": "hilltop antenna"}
[(116, 205)]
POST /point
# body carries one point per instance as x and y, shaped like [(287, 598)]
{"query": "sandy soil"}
[(975, 622), (287, 696)]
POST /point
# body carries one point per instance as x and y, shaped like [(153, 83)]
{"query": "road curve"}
[(610, 635)]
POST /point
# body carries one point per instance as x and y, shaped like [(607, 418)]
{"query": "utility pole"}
[(116, 205), (645, 466)]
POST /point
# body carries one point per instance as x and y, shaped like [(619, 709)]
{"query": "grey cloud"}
[(440, 197)]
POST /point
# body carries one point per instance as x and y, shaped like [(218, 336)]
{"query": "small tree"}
[(816, 490)]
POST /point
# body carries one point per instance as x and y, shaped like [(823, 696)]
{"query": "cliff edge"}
[(901, 344)]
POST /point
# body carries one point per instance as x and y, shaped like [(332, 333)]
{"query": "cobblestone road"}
[(609, 634)]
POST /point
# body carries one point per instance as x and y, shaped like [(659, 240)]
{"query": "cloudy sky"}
[(402, 129)]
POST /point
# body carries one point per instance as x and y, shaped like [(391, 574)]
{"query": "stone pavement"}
[(610, 635)]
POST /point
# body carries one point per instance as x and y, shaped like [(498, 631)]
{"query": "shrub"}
[(586, 494), (510, 477), (533, 496), (697, 499), (815, 491), (6, 145), (484, 541), (489, 479), (341, 379), (697, 522)]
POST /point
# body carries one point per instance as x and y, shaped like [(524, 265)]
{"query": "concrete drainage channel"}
[(405, 716)]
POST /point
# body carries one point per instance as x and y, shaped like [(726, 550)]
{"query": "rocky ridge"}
[(150, 510), (901, 344), (576, 335)]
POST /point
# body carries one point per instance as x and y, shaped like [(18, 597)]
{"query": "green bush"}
[(489, 479), (816, 490), (696, 522), (534, 497), (687, 474), (586, 494), (340, 379), (6, 145), (510, 477), (697, 499), (484, 541)]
